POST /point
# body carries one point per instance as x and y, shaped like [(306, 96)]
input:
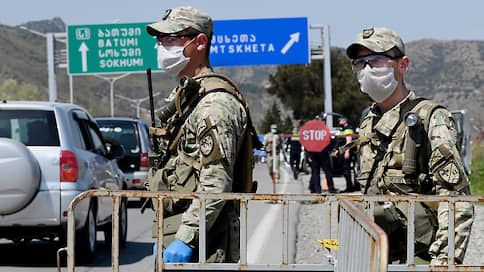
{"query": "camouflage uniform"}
[(208, 142), (408, 158), (268, 141), (444, 175), (204, 162)]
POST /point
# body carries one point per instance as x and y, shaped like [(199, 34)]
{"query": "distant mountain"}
[(47, 26), (450, 72)]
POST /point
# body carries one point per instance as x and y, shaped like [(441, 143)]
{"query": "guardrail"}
[(363, 246)]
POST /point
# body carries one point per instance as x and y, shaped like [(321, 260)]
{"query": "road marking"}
[(263, 231)]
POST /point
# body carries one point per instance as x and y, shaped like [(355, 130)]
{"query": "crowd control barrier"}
[(361, 244)]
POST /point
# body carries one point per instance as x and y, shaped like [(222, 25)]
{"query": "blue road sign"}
[(260, 42)]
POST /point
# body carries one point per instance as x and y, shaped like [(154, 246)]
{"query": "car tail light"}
[(143, 160), (136, 181), (68, 166)]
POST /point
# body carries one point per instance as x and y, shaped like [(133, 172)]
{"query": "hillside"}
[(450, 72)]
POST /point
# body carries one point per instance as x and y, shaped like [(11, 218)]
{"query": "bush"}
[(477, 176)]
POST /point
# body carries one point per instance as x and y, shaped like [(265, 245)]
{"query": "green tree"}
[(11, 90), (287, 125), (301, 88), (273, 116)]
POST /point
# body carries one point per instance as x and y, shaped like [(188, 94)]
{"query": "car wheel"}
[(86, 239), (123, 221), (123, 225)]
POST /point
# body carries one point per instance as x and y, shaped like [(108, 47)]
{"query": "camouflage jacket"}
[(441, 173), (211, 136)]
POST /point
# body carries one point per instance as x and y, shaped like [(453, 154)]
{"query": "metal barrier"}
[(363, 246), (359, 252)]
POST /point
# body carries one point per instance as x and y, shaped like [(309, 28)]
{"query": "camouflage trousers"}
[(270, 165)]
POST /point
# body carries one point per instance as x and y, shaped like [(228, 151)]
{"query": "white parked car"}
[(50, 153)]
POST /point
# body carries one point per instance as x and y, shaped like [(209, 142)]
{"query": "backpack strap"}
[(228, 86), (219, 83), (425, 110)]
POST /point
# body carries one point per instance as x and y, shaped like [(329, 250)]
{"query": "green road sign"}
[(110, 48)]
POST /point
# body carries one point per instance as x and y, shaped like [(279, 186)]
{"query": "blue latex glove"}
[(176, 252), (154, 252)]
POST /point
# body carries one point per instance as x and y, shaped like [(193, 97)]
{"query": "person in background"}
[(271, 157), (295, 152), (345, 159), (321, 160)]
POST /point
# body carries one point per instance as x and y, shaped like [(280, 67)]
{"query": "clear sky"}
[(412, 19)]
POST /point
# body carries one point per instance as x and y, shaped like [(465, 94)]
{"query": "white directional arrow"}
[(294, 38), (83, 49)]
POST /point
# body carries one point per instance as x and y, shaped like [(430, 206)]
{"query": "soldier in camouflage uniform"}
[(408, 146), (208, 142), (271, 157)]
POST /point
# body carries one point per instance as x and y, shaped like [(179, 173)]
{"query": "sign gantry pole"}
[(328, 105), (325, 53), (51, 67)]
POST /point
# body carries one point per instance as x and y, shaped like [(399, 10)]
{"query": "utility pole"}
[(111, 81), (136, 101)]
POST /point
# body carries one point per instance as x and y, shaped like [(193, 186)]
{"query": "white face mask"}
[(378, 83), (171, 58)]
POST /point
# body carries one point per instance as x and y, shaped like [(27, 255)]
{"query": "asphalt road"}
[(264, 236)]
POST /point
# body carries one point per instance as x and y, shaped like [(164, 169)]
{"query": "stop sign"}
[(314, 135)]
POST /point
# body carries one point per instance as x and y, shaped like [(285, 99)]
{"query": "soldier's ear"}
[(403, 65), (202, 42)]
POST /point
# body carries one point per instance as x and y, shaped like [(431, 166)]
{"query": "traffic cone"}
[(325, 184)]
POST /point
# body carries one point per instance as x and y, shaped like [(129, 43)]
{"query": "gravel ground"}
[(312, 217)]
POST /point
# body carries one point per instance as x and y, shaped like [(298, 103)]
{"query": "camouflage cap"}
[(181, 18), (376, 39), (273, 126)]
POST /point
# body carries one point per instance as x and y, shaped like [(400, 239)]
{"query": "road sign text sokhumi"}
[(110, 48)]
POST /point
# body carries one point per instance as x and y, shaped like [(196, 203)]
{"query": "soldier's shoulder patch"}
[(206, 145), (202, 127), (436, 157), (449, 173)]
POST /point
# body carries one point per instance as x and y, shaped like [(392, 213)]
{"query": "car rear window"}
[(124, 133), (31, 127)]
